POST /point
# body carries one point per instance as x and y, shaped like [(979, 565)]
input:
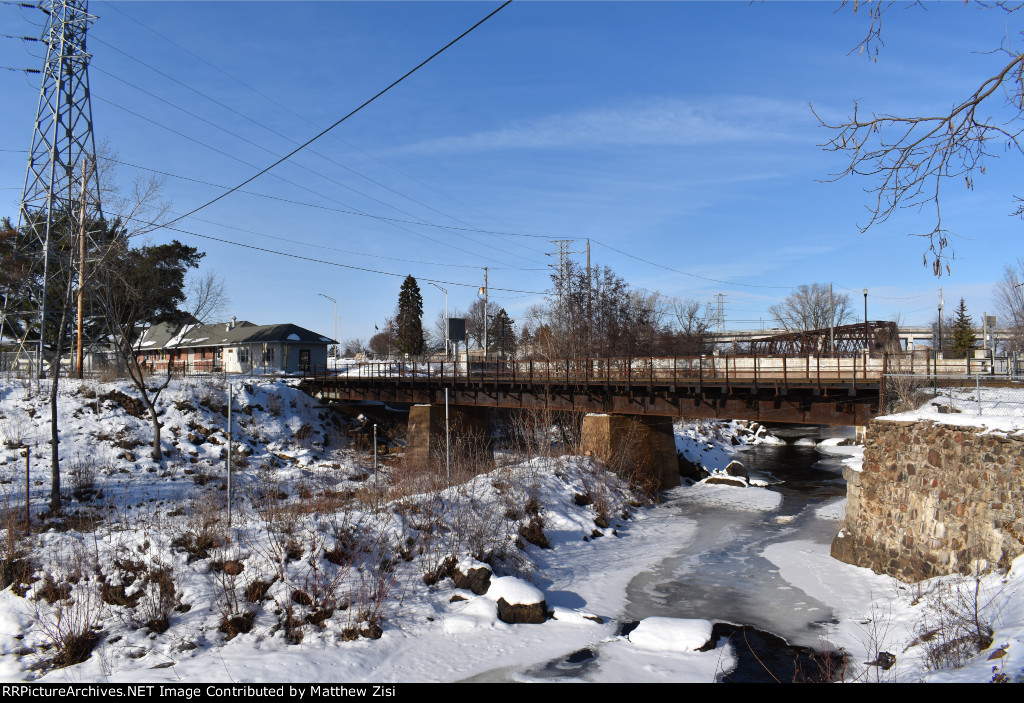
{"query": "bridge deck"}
[(834, 390)]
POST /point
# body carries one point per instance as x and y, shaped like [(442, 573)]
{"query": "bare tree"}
[(691, 332), (1009, 296), (475, 321), (812, 307), (353, 346), (383, 342), (438, 333), (206, 297), (912, 156), (145, 286)]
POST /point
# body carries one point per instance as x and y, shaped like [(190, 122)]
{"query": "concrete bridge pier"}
[(643, 443), (469, 429)]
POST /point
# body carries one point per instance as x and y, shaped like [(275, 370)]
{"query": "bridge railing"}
[(711, 368)]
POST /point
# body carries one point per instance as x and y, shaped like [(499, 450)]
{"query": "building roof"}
[(223, 334)]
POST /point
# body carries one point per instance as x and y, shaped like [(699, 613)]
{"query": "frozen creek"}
[(721, 575)]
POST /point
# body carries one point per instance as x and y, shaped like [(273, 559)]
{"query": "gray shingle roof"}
[(218, 335)]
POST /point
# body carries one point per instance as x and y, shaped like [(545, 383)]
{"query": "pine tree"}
[(964, 338), (503, 337), (409, 319)]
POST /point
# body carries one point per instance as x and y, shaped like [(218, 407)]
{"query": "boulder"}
[(735, 468), (518, 601), (535, 613), (726, 480), (473, 576), (689, 469)]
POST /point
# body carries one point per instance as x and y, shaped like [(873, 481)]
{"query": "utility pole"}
[(484, 291)]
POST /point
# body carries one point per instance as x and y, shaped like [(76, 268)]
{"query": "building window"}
[(243, 356)]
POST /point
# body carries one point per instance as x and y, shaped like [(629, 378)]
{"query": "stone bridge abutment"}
[(933, 499)]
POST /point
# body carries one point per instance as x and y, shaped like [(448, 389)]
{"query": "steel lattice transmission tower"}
[(62, 193)]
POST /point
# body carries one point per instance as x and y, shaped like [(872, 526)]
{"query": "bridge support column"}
[(628, 443), (469, 430)]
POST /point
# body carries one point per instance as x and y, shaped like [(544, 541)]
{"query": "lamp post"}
[(867, 334), (447, 434), (336, 340), (483, 292), (445, 291), (941, 302)]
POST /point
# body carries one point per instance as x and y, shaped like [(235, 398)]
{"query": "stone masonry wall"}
[(932, 499)]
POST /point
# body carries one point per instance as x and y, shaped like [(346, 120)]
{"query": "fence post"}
[(977, 385)]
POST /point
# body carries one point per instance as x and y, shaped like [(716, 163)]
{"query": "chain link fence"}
[(977, 394)]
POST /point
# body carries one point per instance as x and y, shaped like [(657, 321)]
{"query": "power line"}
[(260, 146), (334, 263), (684, 273), (277, 176), (347, 116), (305, 119), (292, 240), (321, 207)]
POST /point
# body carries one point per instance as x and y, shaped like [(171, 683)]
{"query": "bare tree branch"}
[(206, 297), (911, 157), (812, 308)]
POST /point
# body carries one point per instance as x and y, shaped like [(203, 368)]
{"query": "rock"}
[(534, 613), (196, 438), (473, 576), (689, 469), (128, 456), (735, 468), (726, 480), (518, 601)]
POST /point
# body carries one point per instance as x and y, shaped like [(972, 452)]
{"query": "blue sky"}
[(676, 132)]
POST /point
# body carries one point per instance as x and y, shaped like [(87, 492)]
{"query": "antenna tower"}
[(62, 192)]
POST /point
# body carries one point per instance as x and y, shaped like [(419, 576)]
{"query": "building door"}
[(304, 360)]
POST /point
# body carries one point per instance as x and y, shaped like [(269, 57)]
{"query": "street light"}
[(336, 340), (447, 433), (445, 291), (866, 330), (941, 303)]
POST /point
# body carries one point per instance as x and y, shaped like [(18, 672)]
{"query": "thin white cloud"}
[(655, 123)]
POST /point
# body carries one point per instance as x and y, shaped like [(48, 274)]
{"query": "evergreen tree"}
[(409, 319), (964, 338), (503, 334)]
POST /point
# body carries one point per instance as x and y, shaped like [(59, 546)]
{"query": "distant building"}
[(234, 347)]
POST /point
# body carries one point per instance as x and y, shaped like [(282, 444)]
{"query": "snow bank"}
[(671, 634), (515, 591), (734, 497)]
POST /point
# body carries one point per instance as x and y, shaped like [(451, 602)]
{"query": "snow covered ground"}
[(331, 573)]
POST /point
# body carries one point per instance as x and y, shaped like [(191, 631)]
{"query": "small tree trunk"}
[(158, 454), (54, 440)]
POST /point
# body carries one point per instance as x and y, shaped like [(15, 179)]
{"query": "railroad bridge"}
[(635, 397)]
